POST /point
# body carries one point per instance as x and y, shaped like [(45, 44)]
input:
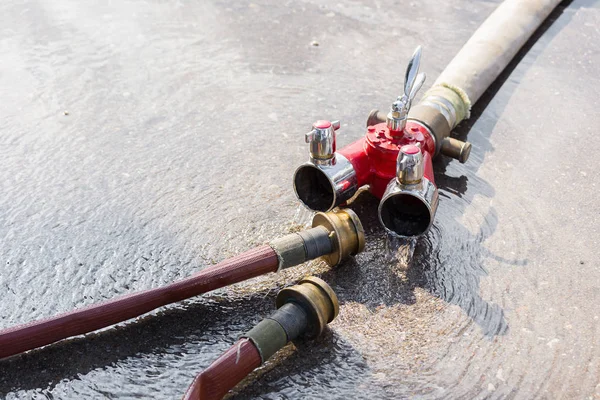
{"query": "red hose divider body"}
[(35, 334), (226, 372), (374, 156)]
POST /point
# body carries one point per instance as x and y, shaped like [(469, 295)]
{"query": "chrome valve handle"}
[(409, 165), (413, 81), (322, 140)]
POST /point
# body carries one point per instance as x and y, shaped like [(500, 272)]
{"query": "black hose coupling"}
[(334, 236), (303, 311)]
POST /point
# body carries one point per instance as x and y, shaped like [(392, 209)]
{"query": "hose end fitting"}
[(334, 236), (316, 298), (303, 310), (345, 231)]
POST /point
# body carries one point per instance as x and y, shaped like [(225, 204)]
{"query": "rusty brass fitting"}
[(345, 231)]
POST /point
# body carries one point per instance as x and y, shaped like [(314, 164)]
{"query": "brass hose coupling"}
[(334, 236), (303, 311), (345, 232)]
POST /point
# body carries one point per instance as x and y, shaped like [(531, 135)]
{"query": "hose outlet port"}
[(322, 186), (408, 210)]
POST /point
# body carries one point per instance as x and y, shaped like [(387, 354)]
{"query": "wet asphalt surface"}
[(145, 140)]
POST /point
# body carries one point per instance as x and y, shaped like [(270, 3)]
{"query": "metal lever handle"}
[(418, 84), (411, 72), (413, 81)]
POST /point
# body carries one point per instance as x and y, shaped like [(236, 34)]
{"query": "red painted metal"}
[(374, 156), (409, 149), (322, 124)]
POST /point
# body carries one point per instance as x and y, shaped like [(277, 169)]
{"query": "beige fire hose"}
[(474, 69), (494, 45)]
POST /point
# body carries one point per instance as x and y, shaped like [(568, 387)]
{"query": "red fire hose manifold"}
[(394, 159)]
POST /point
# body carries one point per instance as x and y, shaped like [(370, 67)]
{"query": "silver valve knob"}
[(322, 140), (409, 166), (413, 81)]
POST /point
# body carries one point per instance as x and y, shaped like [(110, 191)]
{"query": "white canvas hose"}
[(475, 67), (494, 45)]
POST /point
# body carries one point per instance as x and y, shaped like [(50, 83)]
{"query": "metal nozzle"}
[(324, 186), (410, 201), (328, 179), (408, 210)]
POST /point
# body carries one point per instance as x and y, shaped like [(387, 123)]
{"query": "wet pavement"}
[(144, 140)]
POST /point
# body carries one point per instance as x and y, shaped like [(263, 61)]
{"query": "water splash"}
[(400, 251), (303, 216)]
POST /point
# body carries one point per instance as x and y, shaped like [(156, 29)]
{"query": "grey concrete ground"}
[(141, 141)]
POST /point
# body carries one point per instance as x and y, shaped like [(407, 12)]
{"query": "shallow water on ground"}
[(145, 140)]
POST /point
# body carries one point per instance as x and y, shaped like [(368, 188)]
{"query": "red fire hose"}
[(226, 372), (334, 236), (303, 311), (35, 334)]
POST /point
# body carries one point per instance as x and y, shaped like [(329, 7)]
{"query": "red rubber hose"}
[(226, 372), (35, 334)]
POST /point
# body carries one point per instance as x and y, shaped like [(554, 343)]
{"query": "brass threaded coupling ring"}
[(317, 298), (346, 233)]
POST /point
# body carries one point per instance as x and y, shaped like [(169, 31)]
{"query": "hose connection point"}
[(303, 310), (334, 236), (328, 179), (317, 299), (410, 201), (346, 233), (408, 210)]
